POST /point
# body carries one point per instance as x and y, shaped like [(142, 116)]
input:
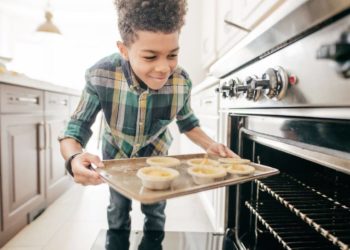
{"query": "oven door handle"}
[(332, 159)]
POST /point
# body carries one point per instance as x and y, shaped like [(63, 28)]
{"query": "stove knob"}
[(273, 84), (249, 91), (227, 88), (246, 89), (242, 89), (339, 52)]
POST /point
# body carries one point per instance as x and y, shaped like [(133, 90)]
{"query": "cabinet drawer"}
[(207, 102), (16, 99), (73, 104), (56, 102), (210, 125)]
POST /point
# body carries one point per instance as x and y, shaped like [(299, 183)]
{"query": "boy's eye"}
[(150, 57), (173, 55)]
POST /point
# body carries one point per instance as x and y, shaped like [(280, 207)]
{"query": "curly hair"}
[(165, 16)]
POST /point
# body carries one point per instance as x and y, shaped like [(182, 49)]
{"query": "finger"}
[(222, 150), (230, 153), (83, 180), (95, 181), (83, 171), (94, 159)]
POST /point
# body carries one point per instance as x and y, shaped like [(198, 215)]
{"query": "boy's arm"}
[(198, 136), (77, 134)]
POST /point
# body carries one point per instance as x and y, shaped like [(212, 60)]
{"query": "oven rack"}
[(325, 215), (338, 203), (338, 185), (289, 230)]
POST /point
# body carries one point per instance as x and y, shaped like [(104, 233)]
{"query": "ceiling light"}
[(48, 25)]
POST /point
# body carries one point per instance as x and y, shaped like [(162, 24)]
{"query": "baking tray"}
[(121, 176)]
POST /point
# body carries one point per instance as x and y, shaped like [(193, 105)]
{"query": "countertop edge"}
[(23, 81)]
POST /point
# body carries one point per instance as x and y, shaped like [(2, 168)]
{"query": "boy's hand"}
[(81, 171), (220, 150)]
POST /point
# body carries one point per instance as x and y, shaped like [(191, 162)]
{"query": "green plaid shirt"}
[(136, 119)]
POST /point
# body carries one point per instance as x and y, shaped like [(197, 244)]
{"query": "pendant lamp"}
[(48, 25)]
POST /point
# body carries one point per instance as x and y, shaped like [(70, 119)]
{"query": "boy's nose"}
[(162, 67)]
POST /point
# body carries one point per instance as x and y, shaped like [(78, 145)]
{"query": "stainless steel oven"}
[(285, 102)]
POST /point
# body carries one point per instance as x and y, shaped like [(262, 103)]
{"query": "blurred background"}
[(88, 32)]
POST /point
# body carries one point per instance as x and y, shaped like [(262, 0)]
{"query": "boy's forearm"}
[(198, 136), (69, 146)]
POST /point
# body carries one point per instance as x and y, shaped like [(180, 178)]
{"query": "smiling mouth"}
[(160, 78)]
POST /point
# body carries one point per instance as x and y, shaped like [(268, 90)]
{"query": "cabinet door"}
[(245, 13), (22, 168), (57, 179), (208, 46)]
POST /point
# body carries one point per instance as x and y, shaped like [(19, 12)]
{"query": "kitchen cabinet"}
[(218, 36), (22, 157), (32, 173), (208, 26), (205, 104), (73, 103), (56, 117)]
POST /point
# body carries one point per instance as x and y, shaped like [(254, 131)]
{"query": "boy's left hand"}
[(220, 150)]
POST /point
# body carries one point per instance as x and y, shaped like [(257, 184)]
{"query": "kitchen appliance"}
[(285, 102)]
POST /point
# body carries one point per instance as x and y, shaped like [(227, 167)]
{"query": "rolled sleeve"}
[(186, 119), (79, 126)]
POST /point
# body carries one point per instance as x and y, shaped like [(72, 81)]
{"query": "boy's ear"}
[(123, 50)]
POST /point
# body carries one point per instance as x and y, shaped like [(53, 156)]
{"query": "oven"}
[(285, 103)]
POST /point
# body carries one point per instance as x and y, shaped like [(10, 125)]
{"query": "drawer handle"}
[(64, 102), (28, 99), (208, 102), (228, 22)]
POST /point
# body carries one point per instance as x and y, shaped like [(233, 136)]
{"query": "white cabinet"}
[(218, 36), (208, 32), (56, 117), (205, 104)]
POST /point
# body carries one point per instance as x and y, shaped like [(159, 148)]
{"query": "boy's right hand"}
[(81, 171)]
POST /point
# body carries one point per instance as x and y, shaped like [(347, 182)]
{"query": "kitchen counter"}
[(32, 115), (24, 81)]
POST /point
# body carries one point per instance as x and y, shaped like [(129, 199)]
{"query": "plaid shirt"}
[(136, 119)]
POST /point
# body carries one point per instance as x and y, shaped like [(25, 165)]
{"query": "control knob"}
[(273, 83), (247, 90), (227, 88)]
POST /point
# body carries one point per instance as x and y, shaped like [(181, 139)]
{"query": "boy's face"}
[(152, 56)]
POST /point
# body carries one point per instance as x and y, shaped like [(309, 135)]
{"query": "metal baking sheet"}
[(121, 175)]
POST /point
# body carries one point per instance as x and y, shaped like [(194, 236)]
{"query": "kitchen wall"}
[(89, 32)]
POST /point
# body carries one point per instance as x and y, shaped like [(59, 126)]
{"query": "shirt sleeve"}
[(186, 119), (79, 125)]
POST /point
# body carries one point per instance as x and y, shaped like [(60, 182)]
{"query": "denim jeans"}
[(118, 213)]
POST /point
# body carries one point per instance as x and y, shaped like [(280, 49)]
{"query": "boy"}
[(140, 91)]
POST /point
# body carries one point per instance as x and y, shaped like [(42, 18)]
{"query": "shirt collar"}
[(130, 76)]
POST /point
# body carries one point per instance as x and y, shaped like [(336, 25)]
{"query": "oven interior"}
[(306, 206)]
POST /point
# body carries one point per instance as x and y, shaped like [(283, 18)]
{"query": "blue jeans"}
[(118, 213)]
